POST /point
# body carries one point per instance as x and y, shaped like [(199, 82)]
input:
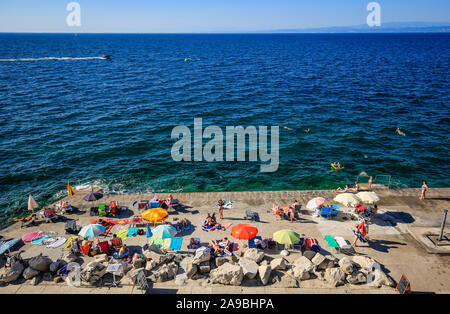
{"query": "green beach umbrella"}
[(286, 236)]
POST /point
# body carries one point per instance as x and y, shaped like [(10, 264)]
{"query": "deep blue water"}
[(110, 121)]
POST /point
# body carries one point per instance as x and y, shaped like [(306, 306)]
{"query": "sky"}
[(192, 16)]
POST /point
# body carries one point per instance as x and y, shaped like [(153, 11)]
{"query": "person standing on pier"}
[(424, 190)]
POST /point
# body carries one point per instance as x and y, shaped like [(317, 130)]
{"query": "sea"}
[(69, 115)]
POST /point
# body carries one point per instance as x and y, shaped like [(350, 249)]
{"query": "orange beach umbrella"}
[(155, 214), (244, 232)]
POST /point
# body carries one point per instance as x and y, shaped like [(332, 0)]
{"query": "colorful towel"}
[(132, 232), (58, 242), (67, 245), (39, 240), (156, 241), (32, 236), (166, 243), (176, 243), (122, 234)]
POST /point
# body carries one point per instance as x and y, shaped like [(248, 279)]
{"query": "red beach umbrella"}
[(244, 232)]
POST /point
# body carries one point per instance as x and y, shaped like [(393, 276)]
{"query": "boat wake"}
[(55, 58)]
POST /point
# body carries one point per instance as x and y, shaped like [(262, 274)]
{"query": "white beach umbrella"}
[(347, 199), (315, 202), (368, 197)]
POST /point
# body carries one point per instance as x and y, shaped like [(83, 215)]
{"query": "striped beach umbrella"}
[(164, 232), (91, 231), (315, 202)]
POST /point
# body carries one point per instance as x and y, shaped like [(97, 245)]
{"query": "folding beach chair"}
[(343, 245), (116, 243), (328, 212), (251, 215), (104, 247), (114, 208), (102, 210)]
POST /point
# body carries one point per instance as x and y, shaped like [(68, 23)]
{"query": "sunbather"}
[(123, 252), (9, 259), (75, 246), (194, 244), (220, 204), (346, 189)]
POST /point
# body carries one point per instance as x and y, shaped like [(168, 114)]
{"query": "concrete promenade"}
[(398, 234)]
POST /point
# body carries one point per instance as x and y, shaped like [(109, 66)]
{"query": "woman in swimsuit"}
[(424, 190)]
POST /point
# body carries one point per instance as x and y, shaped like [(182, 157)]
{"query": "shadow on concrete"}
[(384, 245), (393, 218)]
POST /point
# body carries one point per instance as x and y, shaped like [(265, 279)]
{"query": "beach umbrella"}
[(93, 196), (368, 197), (91, 231), (347, 199), (70, 190), (315, 202), (32, 203), (244, 232), (8, 245), (155, 214), (164, 232), (286, 236), (148, 233)]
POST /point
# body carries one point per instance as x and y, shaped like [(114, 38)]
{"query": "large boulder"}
[(278, 264), (30, 273), (366, 263), (181, 279), (323, 262), (227, 274), (378, 278), (101, 258), (309, 254), (334, 276), (220, 260), (55, 266), (93, 272), (149, 266), (41, 263), (164, 272), (204, 267), (69, 257), (157, 257), (12, 273), (356, 278), (254, 255), (249, 267), (302, 269), (201, 256), (264, 273), (134, 273), (347, 268)]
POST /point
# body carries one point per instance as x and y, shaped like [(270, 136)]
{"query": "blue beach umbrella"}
[(91, 231), (8, 245), (164, 231), (149, 233)]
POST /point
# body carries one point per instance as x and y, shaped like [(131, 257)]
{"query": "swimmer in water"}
[(307, 130), (290, 129), (399, 132)]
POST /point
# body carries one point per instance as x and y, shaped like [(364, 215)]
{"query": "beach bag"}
[(141, 232)]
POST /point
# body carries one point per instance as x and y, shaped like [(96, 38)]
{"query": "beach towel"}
[(132, 232), (176, 243), (39, 240), (122, 234), (66, 246), (32, 236), (166, 243), (58, 242), (156, 241)]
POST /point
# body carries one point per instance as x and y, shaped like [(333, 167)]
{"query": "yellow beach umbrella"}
[(155, 214), (286, 236)]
